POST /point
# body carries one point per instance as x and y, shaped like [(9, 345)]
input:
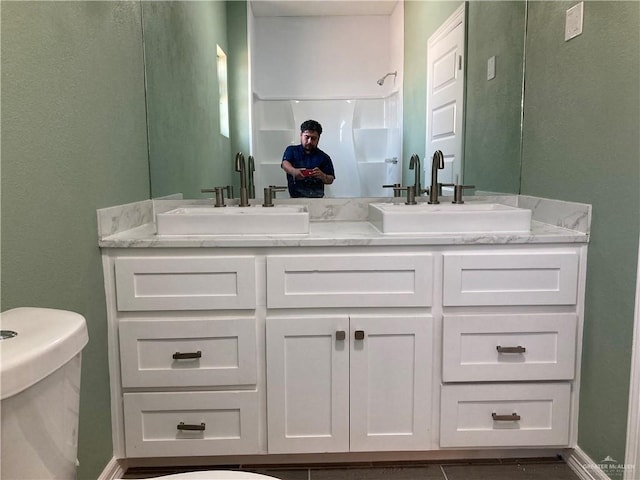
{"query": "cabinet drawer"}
[(207, 352), (508, 347), (530, 278), (228, 422), (349, 281), (467, 415), (185, 283)]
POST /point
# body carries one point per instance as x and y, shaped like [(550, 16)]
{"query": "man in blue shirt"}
[(308, 168)]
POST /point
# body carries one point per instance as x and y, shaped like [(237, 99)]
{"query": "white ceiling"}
[(303, 8)]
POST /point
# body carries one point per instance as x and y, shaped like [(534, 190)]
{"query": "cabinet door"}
[(308, 384), (390, 382)]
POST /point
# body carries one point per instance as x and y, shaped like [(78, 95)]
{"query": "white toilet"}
[(40, 356)]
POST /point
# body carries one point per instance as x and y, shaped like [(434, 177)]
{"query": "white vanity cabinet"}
[(187, 351), (509, 346), (340, 380), (348, 383), (240, 352)]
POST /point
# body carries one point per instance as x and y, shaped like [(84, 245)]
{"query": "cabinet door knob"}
[(518, 349), (340, 335), (187, 356), (514, 417), (186, 426), (359, 335)]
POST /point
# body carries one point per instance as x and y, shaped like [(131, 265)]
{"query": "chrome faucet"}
[(436, 164), (414, 164), (241, 167), (252, 168)]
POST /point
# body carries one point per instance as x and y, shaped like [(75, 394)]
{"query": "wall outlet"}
[(573, 23)]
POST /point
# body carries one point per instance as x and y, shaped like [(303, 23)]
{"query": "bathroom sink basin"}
[(449, 218), (234, 220)]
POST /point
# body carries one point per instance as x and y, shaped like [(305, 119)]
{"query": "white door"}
[(390, 383), (445, 97), (308, 384)]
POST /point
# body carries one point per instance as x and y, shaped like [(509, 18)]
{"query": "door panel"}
[(308, 384), (390, 382), (445, 97)]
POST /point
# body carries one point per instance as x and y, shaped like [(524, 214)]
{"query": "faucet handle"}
[(457, 192), (397, 188), (270, 194), (219, 191)]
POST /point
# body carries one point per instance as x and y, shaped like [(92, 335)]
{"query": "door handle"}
[(359, 334), (514, 417), (518, 349), (186, 426), (340, 335), (187, 356)]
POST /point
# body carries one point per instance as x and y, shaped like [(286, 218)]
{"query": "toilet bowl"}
[(40, 356), (217, 475)]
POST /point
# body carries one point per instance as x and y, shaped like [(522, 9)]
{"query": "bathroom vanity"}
[(344, 339)]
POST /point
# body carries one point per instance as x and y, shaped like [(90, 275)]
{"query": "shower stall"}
[(312, 66), (362, 137)]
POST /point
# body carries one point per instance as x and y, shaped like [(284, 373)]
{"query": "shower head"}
[(381, 81)]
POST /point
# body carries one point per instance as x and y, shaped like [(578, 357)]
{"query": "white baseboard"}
[(112, 471), (584, 467)]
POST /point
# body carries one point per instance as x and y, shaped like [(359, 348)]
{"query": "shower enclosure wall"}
[(361, 136), (313, 67)]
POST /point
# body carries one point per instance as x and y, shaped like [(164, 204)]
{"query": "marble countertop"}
[(343, 222)]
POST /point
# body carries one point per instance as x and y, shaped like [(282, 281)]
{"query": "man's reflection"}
[(308, 168)]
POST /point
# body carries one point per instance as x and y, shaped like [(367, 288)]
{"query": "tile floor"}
[(511, 469)]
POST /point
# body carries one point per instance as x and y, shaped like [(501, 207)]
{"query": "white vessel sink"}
[(449, 218), (234, 220)]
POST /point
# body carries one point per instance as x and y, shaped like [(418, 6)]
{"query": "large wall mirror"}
[(204, 56)]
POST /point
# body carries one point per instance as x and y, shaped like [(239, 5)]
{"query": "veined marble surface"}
[(343, 222)]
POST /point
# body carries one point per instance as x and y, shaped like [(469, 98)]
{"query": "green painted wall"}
[(581, 130), (186, 149), (493, 107), (73, 141)]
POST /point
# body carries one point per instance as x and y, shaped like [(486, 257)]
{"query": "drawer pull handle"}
[(517, 349), (187, 356), (341, 335), (514, 417), (359, 335), (186, 426)]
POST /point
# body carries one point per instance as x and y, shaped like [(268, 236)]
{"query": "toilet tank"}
[(40, 356)]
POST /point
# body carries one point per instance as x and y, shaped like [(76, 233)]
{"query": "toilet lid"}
[(217, 475)]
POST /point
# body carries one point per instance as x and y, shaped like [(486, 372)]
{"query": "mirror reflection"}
[(271, 69)]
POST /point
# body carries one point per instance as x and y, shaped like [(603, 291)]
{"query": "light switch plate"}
[(491, 68), (573, 25)]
